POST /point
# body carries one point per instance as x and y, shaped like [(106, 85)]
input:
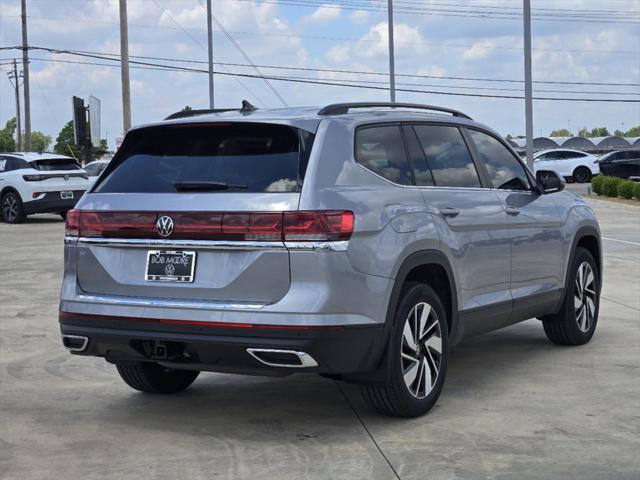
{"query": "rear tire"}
[(12, 211), (582, 175), (417, 356), (151, 377), (63, 215), (576, 321)]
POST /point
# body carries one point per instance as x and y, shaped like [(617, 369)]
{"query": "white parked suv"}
[(39, 183), (570, 164)]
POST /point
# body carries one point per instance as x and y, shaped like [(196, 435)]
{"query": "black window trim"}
[(485, 172)]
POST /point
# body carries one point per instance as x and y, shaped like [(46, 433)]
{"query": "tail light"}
[(32, 178), (72, 224), (299, 226), (317, 226)]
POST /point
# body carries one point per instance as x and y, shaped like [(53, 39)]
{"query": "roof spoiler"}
[(246, 108), (343, 108)]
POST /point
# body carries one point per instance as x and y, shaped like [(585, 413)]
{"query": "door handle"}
[(449, 212), (512, 211)]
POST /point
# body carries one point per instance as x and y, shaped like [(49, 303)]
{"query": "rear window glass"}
[(55, 164), (246, 157)]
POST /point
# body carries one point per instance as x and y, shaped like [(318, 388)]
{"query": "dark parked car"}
[(624, 164)]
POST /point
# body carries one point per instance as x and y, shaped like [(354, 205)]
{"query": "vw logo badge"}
[(170, 269), (164, 226)]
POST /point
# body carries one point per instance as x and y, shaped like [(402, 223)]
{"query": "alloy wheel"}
[(584, 300), (421, 350), (10, 208)]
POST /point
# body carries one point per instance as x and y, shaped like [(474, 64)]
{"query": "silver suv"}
[(358, 241)]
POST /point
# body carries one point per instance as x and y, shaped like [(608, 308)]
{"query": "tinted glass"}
[(448, 156), (55, 164), (381, 150), (4, 165), (505, 171), (421, 170), (248, 157), (94, 169)]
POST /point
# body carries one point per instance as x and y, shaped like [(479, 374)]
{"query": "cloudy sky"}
[(585, 42)]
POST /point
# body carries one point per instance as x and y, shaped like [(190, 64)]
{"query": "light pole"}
[(210, 51), (392, 68), (124, 68), (528, 102)]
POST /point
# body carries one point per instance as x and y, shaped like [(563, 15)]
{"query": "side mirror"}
[(549, 181)]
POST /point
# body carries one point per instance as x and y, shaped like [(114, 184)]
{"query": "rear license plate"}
[(170, 266), (66, 195)]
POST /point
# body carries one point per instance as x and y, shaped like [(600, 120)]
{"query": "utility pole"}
[(528, 102), (392, 68), (210, 45), (16, 79), (124, 67), (25, 73)]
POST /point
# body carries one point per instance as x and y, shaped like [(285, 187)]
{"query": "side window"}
[(381, 150), (448, 156), (4, 165), (421, 170), (505, 171)]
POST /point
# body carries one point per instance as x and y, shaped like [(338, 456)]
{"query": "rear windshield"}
[(244, 157), (55, 164)]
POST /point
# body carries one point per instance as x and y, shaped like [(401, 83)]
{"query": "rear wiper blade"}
[(206, 186)]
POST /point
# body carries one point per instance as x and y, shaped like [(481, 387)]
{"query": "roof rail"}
[(343, 108), (246, 107)]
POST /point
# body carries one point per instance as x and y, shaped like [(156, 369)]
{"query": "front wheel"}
[(417, 356), (151, 377), (576, 321)]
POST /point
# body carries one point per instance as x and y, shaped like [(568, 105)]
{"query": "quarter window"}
[(448, 156), (381, 150), (505, 171)]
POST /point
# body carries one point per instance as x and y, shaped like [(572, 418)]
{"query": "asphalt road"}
[(514, 406)]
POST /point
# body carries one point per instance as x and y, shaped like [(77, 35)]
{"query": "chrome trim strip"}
[(201, 244), (306, 360), (340, 246), (85, 342), (162, 303)]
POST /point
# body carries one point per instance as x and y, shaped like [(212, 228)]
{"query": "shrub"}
[(610, 186), (636, 190), (596, 184), (625, 189)]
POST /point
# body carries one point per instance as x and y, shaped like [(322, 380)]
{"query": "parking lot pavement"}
[(514, 406)]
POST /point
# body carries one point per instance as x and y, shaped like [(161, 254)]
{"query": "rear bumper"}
[(52, 203), (223, 347)]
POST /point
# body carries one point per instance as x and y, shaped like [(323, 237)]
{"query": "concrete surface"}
[(514, 406)]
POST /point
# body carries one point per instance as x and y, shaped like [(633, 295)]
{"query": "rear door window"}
[(381, 150), (448, 156), (505, 171), (240, 157)]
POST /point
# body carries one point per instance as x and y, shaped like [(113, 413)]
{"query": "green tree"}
[(40, 142), (509, 137), (600, 132), (563, 132), (65, 144), (187, 108), (7, 142), (100, 150), (633, 132), (583, 132)]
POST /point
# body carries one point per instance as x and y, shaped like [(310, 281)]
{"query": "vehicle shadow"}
[(242, 407)]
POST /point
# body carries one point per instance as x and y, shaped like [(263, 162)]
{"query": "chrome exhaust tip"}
[(75, 343), (282, 358)]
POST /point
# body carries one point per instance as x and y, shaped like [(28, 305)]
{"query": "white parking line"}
[(621, 241)]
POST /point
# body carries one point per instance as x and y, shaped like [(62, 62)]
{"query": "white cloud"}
[(479, 50), (359, 16), (328, 12)]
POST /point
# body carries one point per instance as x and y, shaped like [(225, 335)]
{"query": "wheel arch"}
[(8, 188)]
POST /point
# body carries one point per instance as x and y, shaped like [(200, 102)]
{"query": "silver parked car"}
[(356, 241)]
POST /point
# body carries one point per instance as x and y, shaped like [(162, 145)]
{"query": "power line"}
[(244, 54), (202, 46), (370, 87), (341, 71), (336, 38)]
